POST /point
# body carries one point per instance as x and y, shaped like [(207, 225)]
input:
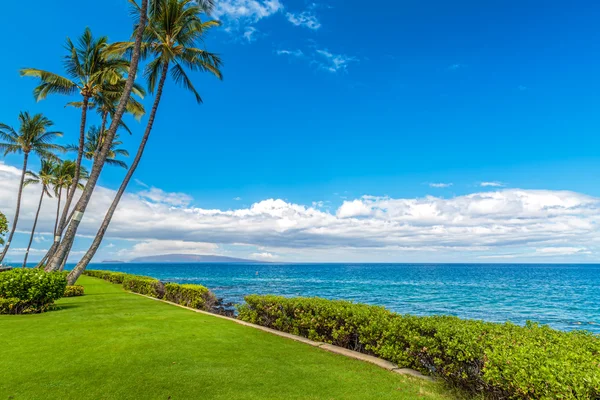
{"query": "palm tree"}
[(63, 177), (171, 39), (45, 177), (93, 143), (71, 230), (32, 136), (88, 70), (105, 101)]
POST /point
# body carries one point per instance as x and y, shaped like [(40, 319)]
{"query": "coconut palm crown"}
[(94, 140)]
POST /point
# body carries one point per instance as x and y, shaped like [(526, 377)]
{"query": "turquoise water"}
[(563, 296)]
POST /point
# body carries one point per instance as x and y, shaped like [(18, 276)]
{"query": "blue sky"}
[(330, 101)]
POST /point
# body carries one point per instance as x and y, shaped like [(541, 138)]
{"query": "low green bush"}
[(501, 361), (73, 291), (13, 306), (194, 296), (144, 285), (30, 290), (110, 276)]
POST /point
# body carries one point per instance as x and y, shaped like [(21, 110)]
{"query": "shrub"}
[(144, 285), (503, 361), (73, 291), (194, 296), (30, 290), (113, 277)]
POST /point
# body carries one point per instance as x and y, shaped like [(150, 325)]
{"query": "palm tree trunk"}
[(101, 138), (85, 260), (37, 214), (16, 219), (71, 193), (80, 207), (57, 212), (64, 261)]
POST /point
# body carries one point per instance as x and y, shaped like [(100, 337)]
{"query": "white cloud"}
[(306, 19), (486, 224), (160, 196), (560, 251), (158, 247), (333, 62), (440, 185), (295, 53), (246, 10), (240, 16), (323, 59), (237, 198), (250, 34), (454, 67), (492, 184), (263, 256)]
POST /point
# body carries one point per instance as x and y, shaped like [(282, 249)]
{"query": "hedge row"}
[(26, 291), (74, 291), (503, 361), (195, 296)]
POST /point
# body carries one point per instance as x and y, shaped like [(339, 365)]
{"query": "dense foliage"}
[(194, 296), (30, 290), (3, 227), (144, 285), (504, 361), (110, 276), (73, 291)]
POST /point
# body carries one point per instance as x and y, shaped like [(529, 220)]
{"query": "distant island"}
[(185, 258)]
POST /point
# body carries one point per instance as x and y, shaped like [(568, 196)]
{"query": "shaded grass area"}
[(110, 344)]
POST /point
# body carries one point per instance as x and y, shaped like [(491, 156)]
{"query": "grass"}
[(110, 344)]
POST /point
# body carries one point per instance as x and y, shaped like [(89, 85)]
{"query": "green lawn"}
[(111, 344)]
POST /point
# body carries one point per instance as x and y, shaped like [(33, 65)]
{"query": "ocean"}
[(563, 296)]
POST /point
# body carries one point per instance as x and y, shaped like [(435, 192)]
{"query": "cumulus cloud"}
[(440, 185), (240, 16), (306, 19), (501, 222), (246, 11)]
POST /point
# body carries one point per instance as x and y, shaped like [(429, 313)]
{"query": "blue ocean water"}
[(565, 297)]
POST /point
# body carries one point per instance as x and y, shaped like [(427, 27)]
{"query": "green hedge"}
[(194, 296), (114, 277), (144, 285), (502, 361), (74, 291), (30, 290)]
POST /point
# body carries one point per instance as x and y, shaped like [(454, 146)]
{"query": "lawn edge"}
[(325, 346)]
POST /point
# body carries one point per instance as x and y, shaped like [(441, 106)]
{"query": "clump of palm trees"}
[(168, 36)]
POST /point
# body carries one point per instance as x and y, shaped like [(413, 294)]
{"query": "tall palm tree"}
[(171, 39), (45, 177), (93, 143), (62, 249), (87, 69), (105, 101), (63, 177), (32, 137)]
